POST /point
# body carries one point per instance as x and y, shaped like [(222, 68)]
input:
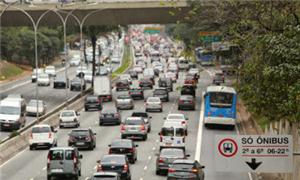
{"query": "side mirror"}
[(202, 167), (80, 156), (55, 130), (136, 145), (186, 118), (165, 118), (95, 133), (109, 145), (187, 155), (150, 117), (98, 161), (159, 133)]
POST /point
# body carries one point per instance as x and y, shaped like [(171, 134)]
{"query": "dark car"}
[(124, 146), (166, 83), (186, 102), (186, 169), (105, 176), (166, 157), (77, 84), (82, 138), (115, 163), (136, 93), (219, 78), (109, 116), (60, 82), (133, 74), (146, 83), (122, 85), (92, 102), (188, 89), (162, 93)]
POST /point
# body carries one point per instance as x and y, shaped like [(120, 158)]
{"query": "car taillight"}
[(74, 161), (31, 136), (160, 138), (161, 160), (99, 168), (143, 127), (109, 151), (131, 150), (194, 170), (117, 115), (48, 161), (129, 93), (183, 122), (50, 135), (171, 170), (108, 97), (122, 128), (181, 101), (125, 167), (88, 138), (71, 139)]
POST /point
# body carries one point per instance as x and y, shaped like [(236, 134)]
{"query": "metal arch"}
[(91, 13), (54, 10)]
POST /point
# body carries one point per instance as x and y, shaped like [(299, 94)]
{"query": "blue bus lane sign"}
[(253, 153)]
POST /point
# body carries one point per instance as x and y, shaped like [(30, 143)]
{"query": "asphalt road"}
[(31, 165)]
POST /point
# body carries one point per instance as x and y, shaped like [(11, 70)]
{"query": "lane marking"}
[(12, 158), (44, 168), (31, 178), (95, 167), (153, 148), (145, 168), (200, 131), (86, 178), (149, 157)]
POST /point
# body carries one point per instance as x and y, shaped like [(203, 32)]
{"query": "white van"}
[(102, 88), (172, 135), (12, 114), (149, 72)]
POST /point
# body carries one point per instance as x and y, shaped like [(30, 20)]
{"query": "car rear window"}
[(175, 117), (56, 155), (172, 152), (69, 154), (183, 166), (133, 122), (92, 99), (167, 132), (124, 97), (41, 130), (139, 114), (127, 144), (113, 160), (67, 114), (180, 132), (79, 133)]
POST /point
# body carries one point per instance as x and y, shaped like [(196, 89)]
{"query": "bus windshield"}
[(220, 99)]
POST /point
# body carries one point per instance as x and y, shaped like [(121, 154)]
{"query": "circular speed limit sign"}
[(227, 147)]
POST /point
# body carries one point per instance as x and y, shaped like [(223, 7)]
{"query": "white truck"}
[(102, 88)]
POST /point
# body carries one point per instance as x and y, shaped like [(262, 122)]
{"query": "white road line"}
[(95, 167), (141, 178), (12, 158), (200, 131), (44, 168), (145, 168), (86, 178), (153, 148), (31, 178), (149, 157), (157, 140)]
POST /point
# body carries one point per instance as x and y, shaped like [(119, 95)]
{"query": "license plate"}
[(109, 116), (133, 129), (80, 143), (6, 125), (57, 170)]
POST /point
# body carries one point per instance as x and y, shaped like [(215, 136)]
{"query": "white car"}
[(88, 76), (43, 80), (81, 69), (126, 77), (34, 72), (138, 68), (69, 118), (75, 61), (115, 59), (171, 75), (42, 135), (32, 109), (153, 103), (50, 70), (172, 135), (172, 117)]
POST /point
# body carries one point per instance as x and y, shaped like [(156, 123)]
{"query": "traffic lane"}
[(193, 124)]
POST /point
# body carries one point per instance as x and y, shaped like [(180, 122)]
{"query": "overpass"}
[(106, 12)]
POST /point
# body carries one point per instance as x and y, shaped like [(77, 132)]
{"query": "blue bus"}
[(204, 57), (220, 106)]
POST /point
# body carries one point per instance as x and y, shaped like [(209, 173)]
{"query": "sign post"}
[(254, 153)]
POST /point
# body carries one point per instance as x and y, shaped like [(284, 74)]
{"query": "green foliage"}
[(127, 60), (9, 70)]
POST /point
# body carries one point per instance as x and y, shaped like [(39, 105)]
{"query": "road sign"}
[(152, 30), (210, 36), (253, 153), (220, 46)]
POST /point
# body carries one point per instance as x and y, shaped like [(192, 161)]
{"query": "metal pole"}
[(66, 62), (36, 71)]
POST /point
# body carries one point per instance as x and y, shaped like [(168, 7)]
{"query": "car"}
[(134, 127), (124, 101), (118, 163), (75, 61), (171, 75), (122, 85), (178, 117), (77, 84), (133, 74), (88, 76), (63, 162), (60, 82), (115, 60), (43, 80), (194, 71), (105, 176), (190, 80), (138, 68), (36, 107), (153, 104), (146, 83), (92, 102), (172, 135), (50, 70), (82, 138), (186, 169), (162, 93), (188, 89), (142, 63), (102, 71), (186, 102), (166, 157), (35, 73), (42, 135), (166, 83), (109, 115), (136, 93), (126, 77), (219, 78), (69, 118), (146, 119), (149, 72), (124, 146)]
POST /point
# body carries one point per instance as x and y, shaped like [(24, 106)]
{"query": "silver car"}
[(153, 104), (124, 102), (134, 127), (33, 109), (63, 161)]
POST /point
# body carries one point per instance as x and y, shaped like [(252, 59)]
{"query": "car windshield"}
[(182, 166), (160, 91), (10, 110), (67, 114), (126, 144), (113, 160), (92, 99), (133, 122), (123, 97), (41, 130), (79, 133), (172, 153), (220, 99), (33, 103), (140, 114)]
